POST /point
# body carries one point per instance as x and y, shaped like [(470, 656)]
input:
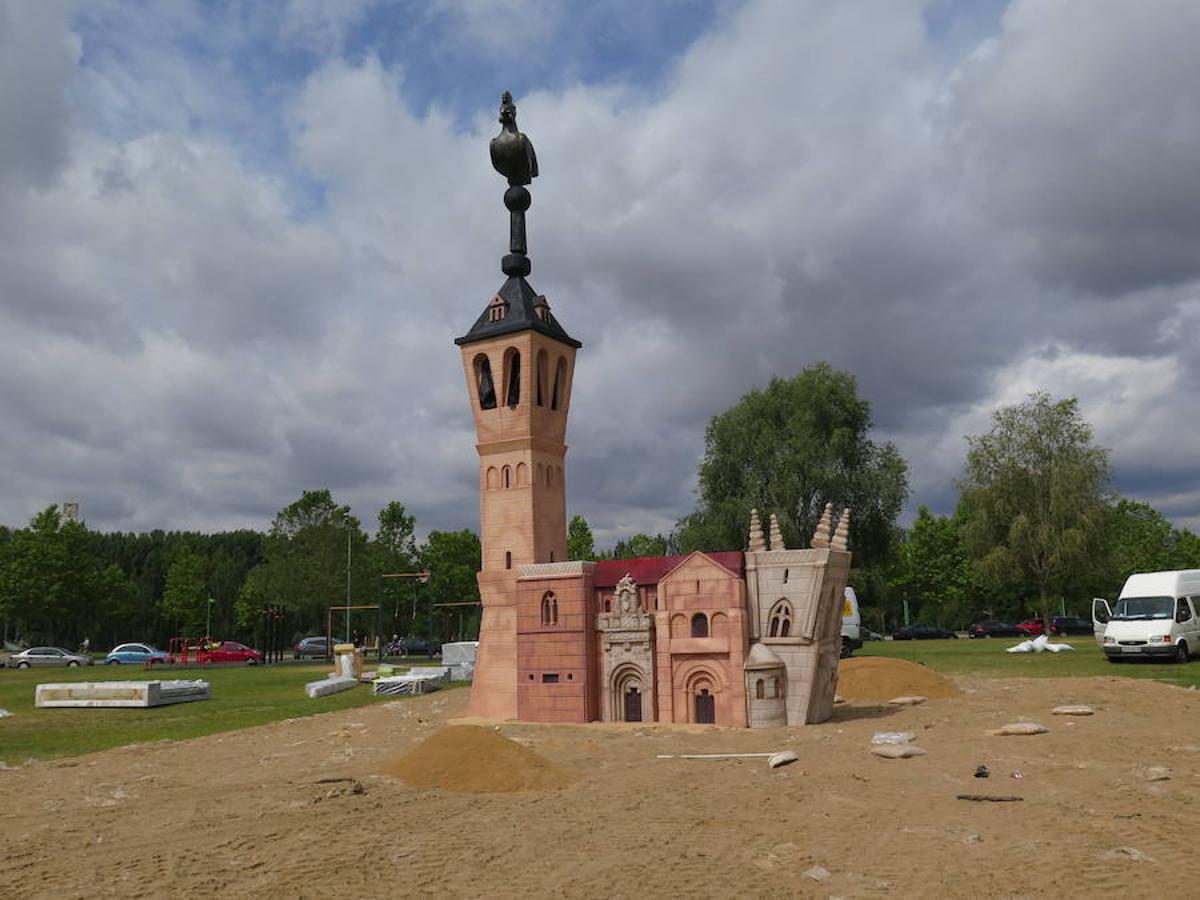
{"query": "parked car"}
[(233, 652), (48, 656), (920, 632), (421, 647), (869, 635), (1070, 625), (135, 654), (317, 647), (1031, 627), (998, 629)]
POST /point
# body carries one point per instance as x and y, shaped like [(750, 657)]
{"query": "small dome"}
[(761, 657)]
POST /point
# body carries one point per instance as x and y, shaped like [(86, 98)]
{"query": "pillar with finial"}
[(513, 157), (841, 537), (776, 534), (824, 531), (757, 543)]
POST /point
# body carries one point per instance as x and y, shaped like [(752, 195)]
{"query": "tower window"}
[(508, 559), (760, 689), (483, 380), (506, 477), (497, 309), (560, 377), (549, 608), (512, 369), (781, 619), (542, 377), (699, 625)]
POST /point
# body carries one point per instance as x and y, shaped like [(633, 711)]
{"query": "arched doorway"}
[(633, 703), (628, 694), (706, 707)]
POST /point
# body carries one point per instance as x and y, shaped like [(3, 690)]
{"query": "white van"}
[(851, 623), (1157, 614)]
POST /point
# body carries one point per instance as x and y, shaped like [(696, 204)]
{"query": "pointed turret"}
[(824, 528), (776, 534), (841, 537), (757, 542)]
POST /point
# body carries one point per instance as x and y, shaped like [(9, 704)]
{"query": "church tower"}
[(519, 363)]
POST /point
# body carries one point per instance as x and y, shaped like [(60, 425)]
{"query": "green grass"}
[(241, 697), (987, 657)]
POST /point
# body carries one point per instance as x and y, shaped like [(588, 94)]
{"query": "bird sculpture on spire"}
[(512, 151)]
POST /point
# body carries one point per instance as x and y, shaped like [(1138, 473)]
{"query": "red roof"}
[(651, 569)]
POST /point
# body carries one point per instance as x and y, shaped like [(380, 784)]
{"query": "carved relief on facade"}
[(626, 657)]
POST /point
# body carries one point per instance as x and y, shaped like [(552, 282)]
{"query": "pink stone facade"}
[(731, 638)]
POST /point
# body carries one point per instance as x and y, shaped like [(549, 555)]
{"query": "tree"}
[(580, 544), (393, 550), (1034, 495), (452, 559), (790, 449), (305, 568), (641, 545), (185, 596), (932, 570)]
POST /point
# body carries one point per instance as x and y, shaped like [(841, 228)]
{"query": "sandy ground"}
[(247, 813)]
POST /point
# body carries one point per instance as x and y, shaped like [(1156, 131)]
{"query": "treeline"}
[(61, 582), (1037, 527)]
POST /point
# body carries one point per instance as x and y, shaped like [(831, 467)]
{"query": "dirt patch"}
[(476, 759), (875, 678)]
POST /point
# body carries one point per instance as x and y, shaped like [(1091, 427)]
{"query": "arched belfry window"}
[(483, 380), (781, 619), (543, 361), (549, 608), (699, 625), (560, 383), (512, 376)]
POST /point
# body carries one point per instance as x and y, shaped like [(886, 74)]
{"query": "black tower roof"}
[(521, 314)]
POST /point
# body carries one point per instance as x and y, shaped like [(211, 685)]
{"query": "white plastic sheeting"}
[(1038, 645)]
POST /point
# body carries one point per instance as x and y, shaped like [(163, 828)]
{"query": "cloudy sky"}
[(237, 239)]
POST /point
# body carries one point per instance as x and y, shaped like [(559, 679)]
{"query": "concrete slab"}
[(126, 694), (334, 684)]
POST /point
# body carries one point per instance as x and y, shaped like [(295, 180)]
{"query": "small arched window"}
[(508, 559), (512, 375), (699, 625), (484, 382), (760, 689), (492, 478), (560, 383), (781, 619), (549, 608), (506, 477), (776, 687), (608, 604), (785, 576), (543, 380), (522, 475)]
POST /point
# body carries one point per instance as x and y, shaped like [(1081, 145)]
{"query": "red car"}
[(1031, 627), (233, 652)]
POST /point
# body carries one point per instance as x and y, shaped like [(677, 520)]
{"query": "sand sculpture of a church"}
[(732, 638)]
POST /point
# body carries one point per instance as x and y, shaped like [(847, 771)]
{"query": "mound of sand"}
[(876, 678), (474, 759)]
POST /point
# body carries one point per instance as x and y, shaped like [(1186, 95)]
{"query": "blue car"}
[(135, 654)]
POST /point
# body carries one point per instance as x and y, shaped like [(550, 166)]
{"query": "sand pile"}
[(876, 678), (475, 759)]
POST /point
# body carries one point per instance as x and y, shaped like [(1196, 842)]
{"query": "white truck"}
[(852, 637), (1156, 615)]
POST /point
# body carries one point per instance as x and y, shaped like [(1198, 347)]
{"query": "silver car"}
[(48, 656)]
